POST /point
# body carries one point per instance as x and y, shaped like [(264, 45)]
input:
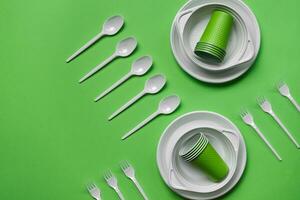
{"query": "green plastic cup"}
[(211, 163), (216, 35)]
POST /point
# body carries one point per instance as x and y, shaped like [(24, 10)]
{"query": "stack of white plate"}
[(243, 45), (189, 181)]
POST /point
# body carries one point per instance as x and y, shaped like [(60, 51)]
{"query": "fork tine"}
[(244, 112), (110, 174), (281, 83), (127, 164), (88, 187), (278, 85), (122, 165), (105, 176), (260, 100)]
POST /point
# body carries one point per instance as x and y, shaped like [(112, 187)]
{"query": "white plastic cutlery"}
[(110, 27), (123, 49), (248, 119), (152, 86), (284, 90), (113, 183), (94, 191), (130, 173), (267, 107), (166, 106), (139, 67)]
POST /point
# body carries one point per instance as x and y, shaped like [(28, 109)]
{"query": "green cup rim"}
[(211, 47), (191, 153), (192, 142), (202, 53), (198, 153), (205, 44), (212, 51), (196, 147)]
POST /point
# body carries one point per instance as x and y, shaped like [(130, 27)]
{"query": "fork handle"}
[(139, 187), (261, 135), (294, 102), (120, 194), (286, 130)]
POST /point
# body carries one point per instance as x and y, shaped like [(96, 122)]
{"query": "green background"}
[(54, 138)]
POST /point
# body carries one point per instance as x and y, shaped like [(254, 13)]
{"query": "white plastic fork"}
[(267, 107), (248, 119), (113, 183), (130, 173), (94, 191), (284, 90)]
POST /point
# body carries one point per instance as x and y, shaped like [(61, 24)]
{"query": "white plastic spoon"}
[(110, 27), (123, 49), (139, 67), (166, 106), (152, 86)]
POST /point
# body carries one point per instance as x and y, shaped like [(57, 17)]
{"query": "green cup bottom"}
[(212, 164)]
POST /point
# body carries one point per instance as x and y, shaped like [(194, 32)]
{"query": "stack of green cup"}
[(213, 43), (198, 151)]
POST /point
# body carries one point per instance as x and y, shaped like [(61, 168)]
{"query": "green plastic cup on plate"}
[(211, 163), (216, 35)]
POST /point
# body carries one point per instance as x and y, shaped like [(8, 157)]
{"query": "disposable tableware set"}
[(139, 68), (112, 181), (202, 154), (215, 41), (266, 106)]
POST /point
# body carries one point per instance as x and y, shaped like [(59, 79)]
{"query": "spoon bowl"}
[(141, 65), (110, 27), (169, 104), (113, 25), (155, 84), (126, 47)]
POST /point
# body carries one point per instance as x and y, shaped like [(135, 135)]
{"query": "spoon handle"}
[(127, 105), (294, 102), (87, 45), (97, 68), (114, 86), (140, 125)]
